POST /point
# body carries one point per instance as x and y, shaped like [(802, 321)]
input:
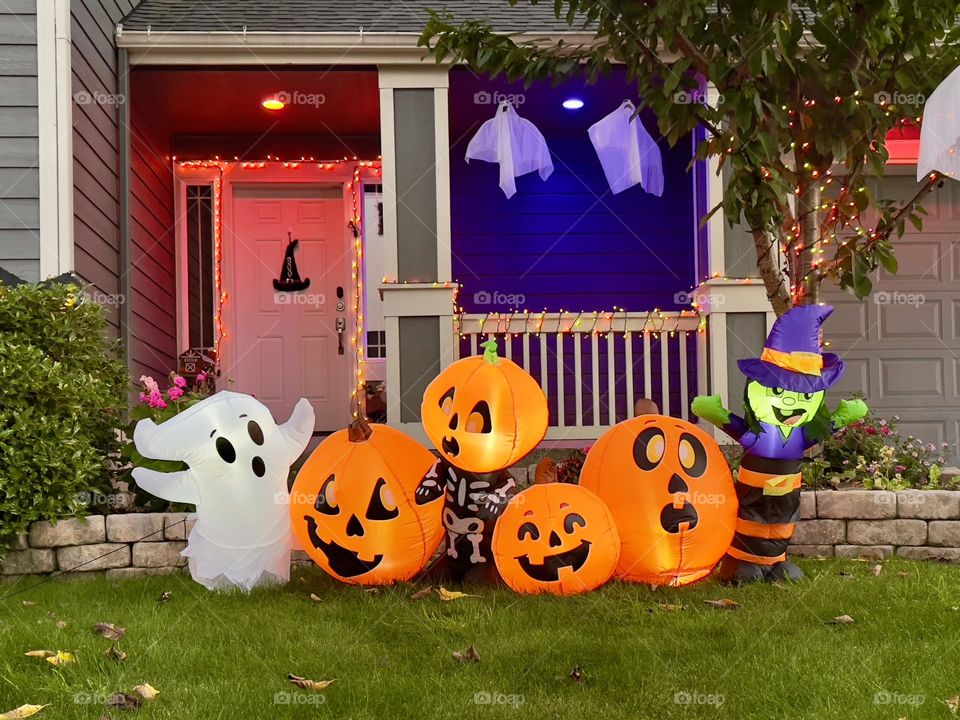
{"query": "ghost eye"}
[(446, 402), (572, 521), (479, 419), (693, 456), (255, 432), (778, 391), (226, 450), (648, 448), (382, 505), (326, 502), (528, 530)]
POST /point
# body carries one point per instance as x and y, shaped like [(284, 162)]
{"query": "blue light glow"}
[(573, 103)]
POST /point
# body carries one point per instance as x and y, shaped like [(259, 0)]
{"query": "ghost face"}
[(782, 408)]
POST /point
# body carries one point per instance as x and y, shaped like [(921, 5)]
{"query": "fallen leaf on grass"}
[(24, 711), (61, 624), (372, 590), (308, 684), (51, 614), (61, 658), (876, 570), (953, 703), (115, 653), (146, 691), (840, 620), (122, 701), (424, 592), (316, 598), (165, 597), (448, 595), (28, 603), (723, 604), (576, 674), (110, 631), (39, 653), (668, 607), (470, 654), (904, 573)]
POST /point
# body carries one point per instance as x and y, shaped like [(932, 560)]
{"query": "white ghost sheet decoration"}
[(627, 152), (238, 460), (940, 130), (514, 143)]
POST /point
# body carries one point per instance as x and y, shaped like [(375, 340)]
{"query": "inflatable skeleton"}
[(239, 460)]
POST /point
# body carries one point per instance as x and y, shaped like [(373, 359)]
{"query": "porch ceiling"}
[(329, 113), (330, 16)]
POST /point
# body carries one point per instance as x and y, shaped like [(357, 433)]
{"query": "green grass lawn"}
[(228, 656)]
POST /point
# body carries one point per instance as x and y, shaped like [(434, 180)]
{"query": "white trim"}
[(441, 123), (55, 137), (64, 134), (388, 164)]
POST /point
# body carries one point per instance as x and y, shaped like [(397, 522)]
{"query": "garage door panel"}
[(912, 380), (927, 430), (849, 322), (920, 261), (902, 317), (855, 379)]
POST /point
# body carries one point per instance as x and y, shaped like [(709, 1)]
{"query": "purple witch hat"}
[(791, 357)]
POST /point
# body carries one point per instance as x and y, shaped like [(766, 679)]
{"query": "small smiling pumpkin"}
[(556, 538), (484, 413), (671, 493), (354, 510)]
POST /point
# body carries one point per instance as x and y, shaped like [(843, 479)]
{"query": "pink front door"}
[(285, 344)]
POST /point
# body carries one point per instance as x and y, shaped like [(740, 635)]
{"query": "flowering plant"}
[(159, 406), (873, 453)]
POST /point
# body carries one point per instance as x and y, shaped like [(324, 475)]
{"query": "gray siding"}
[(96, 186), (19, 153), (416, 185)]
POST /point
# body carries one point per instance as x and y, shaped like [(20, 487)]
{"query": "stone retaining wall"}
[(875, 524)]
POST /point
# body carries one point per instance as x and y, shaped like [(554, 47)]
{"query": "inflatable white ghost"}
[(514, 143), (238, 459)]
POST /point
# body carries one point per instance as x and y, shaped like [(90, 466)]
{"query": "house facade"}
[(143, 153)]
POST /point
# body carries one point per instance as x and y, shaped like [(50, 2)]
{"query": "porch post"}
[(417, 292), (733, 299)]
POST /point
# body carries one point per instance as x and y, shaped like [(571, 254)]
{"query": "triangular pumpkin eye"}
[(382, 506), (326, 502)]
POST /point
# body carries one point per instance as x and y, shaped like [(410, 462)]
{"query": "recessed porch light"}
[(573, 103)]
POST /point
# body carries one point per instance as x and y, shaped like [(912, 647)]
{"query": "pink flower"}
[(900, 468), (175, 393), (179, 381), (150, 384), (155, 400), (885, 430), (870, 430), (201, 378), (143, 397)]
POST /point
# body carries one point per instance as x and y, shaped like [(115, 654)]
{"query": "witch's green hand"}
[(711, 409), (848, 411)]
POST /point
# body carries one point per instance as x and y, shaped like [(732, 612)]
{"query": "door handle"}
[(341, 328)]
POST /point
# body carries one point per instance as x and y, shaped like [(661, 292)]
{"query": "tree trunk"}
[(808, 214), (773, 278)]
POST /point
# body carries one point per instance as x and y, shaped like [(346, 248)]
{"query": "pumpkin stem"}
[(490, 352), (359, 431)]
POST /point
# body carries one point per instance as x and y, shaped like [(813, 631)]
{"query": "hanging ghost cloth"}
[(940, 130), (239, 460), (289, 279), (627, 152), (515, 144)]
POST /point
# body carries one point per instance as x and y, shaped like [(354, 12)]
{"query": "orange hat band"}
[(802, 362)]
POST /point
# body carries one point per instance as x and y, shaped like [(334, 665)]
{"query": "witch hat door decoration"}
[(784, 415), (289, 279)]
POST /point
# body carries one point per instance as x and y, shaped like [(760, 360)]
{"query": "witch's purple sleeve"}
[(737, 428)]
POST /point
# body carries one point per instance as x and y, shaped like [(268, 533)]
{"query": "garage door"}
[(902, 345)]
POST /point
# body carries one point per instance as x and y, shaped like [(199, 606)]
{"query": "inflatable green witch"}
[(784, 416)]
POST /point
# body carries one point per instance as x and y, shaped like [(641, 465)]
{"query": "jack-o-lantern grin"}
[(450, 446), (549, 569), (345, 563)]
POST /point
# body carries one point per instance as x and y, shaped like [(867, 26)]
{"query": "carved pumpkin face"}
[(556, 538), (671, 492), (354, 510), (484, 413)]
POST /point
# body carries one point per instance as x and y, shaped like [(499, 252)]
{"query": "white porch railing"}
[(593, 367)]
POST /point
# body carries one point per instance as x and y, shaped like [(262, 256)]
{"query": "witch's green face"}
[(784, 408)]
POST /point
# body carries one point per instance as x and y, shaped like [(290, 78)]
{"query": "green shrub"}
[(62, 398)]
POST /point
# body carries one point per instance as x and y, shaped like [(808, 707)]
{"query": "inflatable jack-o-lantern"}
[(670, 490), (556, 538), (354, 509), (484, 413)]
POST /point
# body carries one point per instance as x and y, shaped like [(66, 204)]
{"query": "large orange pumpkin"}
[(556, 538), (354, 510), (484, 413), (671, 492)]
